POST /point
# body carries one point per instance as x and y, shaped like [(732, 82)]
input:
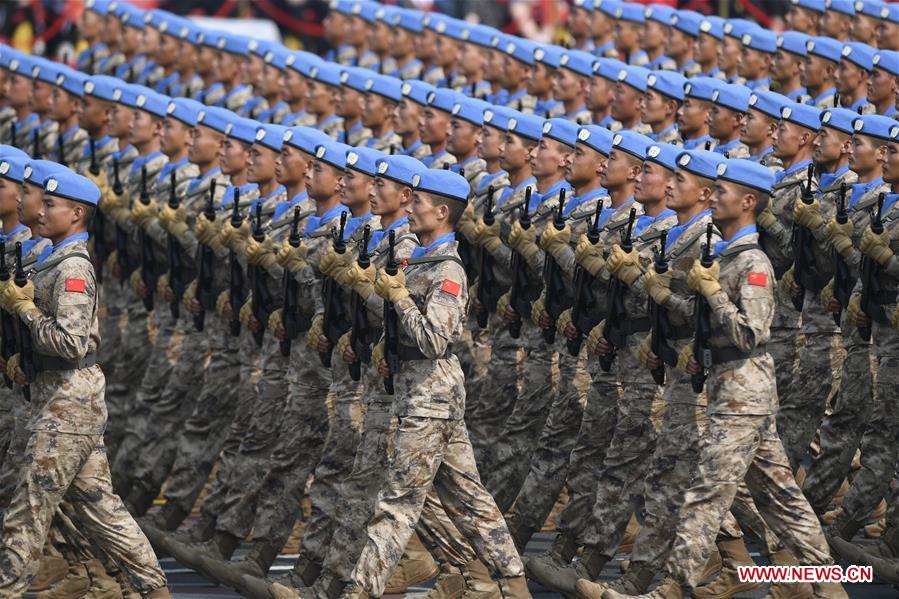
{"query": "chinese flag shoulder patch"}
[(75, 285), (759, 279), (451, 287)]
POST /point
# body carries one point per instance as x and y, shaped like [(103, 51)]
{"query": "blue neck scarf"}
[(537, 197), (228, 199), (697, 142), (411, 149), (720, 246), (677, 230), (442, 240), (860, 189), (377, 236), (47, 251), (140, 161), (727, 147), (19, 228), (778, 177), (194, 183), (825, 180), (820, 97), (644, 220), (317, 222), (665, 131), (487, 179), (758, 157), (286, 205), (509, 191), (576, 201), (169, 168), (354, 222)]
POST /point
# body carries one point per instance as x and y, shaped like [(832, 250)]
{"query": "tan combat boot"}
[(828, 590), (782, 590), (514, 588), (727, 584), (669, 589), (75, 584), (103, 586), (160, 593), (634, 582), (450, 584), (417, 566), (478, 583), (53, 569)]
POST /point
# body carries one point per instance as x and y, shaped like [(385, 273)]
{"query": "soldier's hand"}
[(658, 286), (245, 313), (342, 345), (524, 241), (705, 280), (589, 256), (647, 359), (315, 331), (162, 283), (564, 320), (332, 262), (687, 362), (553, 240), (766, 219), (391, 287), (488, 235), (223, 305), (323, 345), (788, 284), (570, 331), (293, 259), (207, 232), (189, 294), (234, 238), (377, 357), (467, 224), (840, 235), (827, 298), (169, 216), (894, 321), (142, 213), (100, 180), (260, 253), (854, 313), (19, 299), (276, 325), (876, 246), (12, 365), (808, 215), (624, 266), (596, 341), (360, 280), (195, 307), (502, 304)]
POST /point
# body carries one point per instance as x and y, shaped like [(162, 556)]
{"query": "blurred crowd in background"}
[(47, 26)]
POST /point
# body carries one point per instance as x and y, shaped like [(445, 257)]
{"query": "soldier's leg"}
[(7, 420), (11, 466), (112, 361)]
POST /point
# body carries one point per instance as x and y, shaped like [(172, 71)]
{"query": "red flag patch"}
[(451, 287), (759, 279), (75, 285)]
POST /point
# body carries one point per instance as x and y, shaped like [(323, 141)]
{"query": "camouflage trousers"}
[(619, 488), (114, 317), (474, 357), (168, 415), (878, 445), (7, 419), (271, 507), (488, 411), (742, 447), (71, 468), (436, 454), (841, 431), (519, 402), (206, 429), (15, 449)]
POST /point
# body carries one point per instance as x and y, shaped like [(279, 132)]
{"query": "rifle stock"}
[(518, 298), (616, 314), (23, 334), (843, 280), (391, 321), (871, 280), (176, 281), (552, 277), (359, 337), (331, 326), (7, 324), (702, 353), (581, 317), (291, 290), (486, 278), (235, 272), (148, 266), (205, 267)]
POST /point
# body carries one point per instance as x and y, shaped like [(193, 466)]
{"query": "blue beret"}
[(470, 109), (825, 47), (498, 117), (154, 18), (6, 151), (670, 83), (242, 129), (276, 56), (8, 54), (407, 18), (385, 86), (44, 70), (630, 11), (578, 61), (562, 130), (735, 28), (344, 7), (355, 78), (761, 40), (549, 54), (37, 171), (860, 54), (520, 49), (153, 102), (417, 91), (607, 7), (747, 173), (793, 42), (385, 14), (658, 13), (304, 138), (663, 154), (185, 110), (130, 15), (608, 68), (68, 184), (302, 62), (735, 97), (72, 81), (888, 60), (688, 21), (399, 168), (326, 72), (894, 133), (443, 98), (126, 93), (631, 142), (443, 183), (271, 136), (171, 25), (259, 47), (444, 25), (702, 88), (585, 4), (840, 119), (20, 64), (233, 43), (333, 153), (636, 77), (871, 8), (208, 38), (802, 114), (873, 125), (702, 163), (815, 5), (596, 137), (363, 160), (845, 7), (215, 117), (365, 10), (768, 102), (890, 12), (713, 26), (97, 6), (189, 31), (527, 125), (12, 167), (482, 35)]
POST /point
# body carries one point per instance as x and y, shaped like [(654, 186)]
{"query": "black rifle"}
[(23, 334), (359, 337), (205, 266), (552, 277), (61, 148), (333, 319), (36, 154), (100, 248), (121, 236), (176, 270), (236, 279), (843, 281), (291, 290), (7, 324), (805, 272), (257, 275), (391, 321), (616, 313), (12, 134), (582, 317), (659, 317), (702, 353), (147, 264), (486, 277), (871, 280), (519, 299), (94, 167)]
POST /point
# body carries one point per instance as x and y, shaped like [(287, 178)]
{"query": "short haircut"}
[(456, 208)]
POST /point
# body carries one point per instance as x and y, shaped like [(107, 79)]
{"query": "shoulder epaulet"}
[(732, 251), (48, 264), (438, 258)]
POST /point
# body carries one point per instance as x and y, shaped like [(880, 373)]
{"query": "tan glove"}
[(658, 286), (110, 202), (589, 256), (332, 262), (293, 259), (553, 240), (808, 215), (135, 280), (361, 281), (162, 283), (563, 320), (787, 281), (643, 352), (876, 246), (537, 310), (221, 302), (705, 280), (840, 236), (169, 216), (246, 312), (342, 344), (190, 293), (467, 224), (142, 213), (624, 266), (208, 232), (766, 219), (120, 215), (595, 336), (827, 294), (315, 331), (854, 313), (260, 253), (502, 303), (19, 299), (524, 241), (488, 235), (101, 181), (235, 239), (895, 320), (112, 260), (11, 364), (275, 320), (377, 354), (684, 357), (391, 287)]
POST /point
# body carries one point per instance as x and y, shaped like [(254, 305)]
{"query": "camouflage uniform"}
[(825, 100), (65, 458), (236, 98), (357, 136), (439, 160), (74, 142), (385, 144), (331, 126), (733, 149)]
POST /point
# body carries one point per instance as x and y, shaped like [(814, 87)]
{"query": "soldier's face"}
[(683, 191), (167, 54), (206, 59), (584, 165), (323, 181), (61, 105), (541, 80), (489, 143), (424, 215), (864, 154), (815, 72), (787, 141), (251, 69), (579, 22), (57, 216), (753, 64), (496, 66), (882, 85), (40, 96), (402, 43), (729, 54), (833, 24), (233, 156), (356, 188), (319, 98), (335, 26), (119, 120), (294, 86), (566, 85), (187, 56), (434, 126), (261, 166), (863, 29), (654, 35), (149, 41), (828, 146), (30, 204), (626, 35), (89, 24), (887, 35), (618, 170), (706, 49), (379, 38), (514, 72), (757, 129), (692, 115), (891, 163), (388, 197), (651, 183), (130, 39), (628, 102), (656, 108), (462, 137), (728, 202), (472, 60), (785, 66), (516, 153), (600, 94), (175, 135), (357, 31), (349, 104), (550, 158), (269, 82), (723, 122), (406, 118), (803, 19), (9, 197), (204, 146), (375, 110), (112, 30), (425, 46), (850, 77), (290, 167), (601, 25), (679, 43)]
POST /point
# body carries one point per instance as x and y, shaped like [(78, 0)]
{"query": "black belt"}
[(407, 353), (732, 354), (44, 363), (680, 332), (637, 325)]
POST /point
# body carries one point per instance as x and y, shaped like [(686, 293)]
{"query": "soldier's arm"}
[(66, 333), (374, 302), (746, 318), (433, 330)]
